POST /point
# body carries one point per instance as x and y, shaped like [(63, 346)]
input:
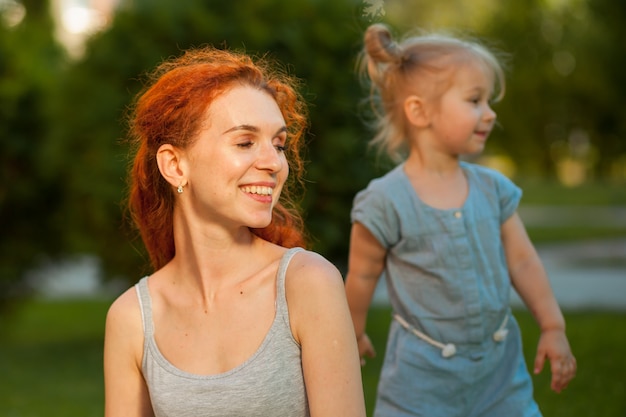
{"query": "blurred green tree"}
[(565, 75), (603, 83), (30, 62), (62, 122), (565, 81), (316, 39)]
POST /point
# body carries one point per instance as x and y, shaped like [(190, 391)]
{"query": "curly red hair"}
[(170, 110)]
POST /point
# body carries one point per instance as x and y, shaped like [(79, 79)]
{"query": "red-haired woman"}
[(237, 319)]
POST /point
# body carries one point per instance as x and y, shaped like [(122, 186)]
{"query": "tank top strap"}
[(145, 304), (281, 298)]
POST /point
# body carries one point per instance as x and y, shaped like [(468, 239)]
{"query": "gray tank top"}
[(269, 383)]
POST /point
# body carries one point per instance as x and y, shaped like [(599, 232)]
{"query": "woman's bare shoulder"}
[(316, 297), (312, 280), (309, 268), (124, 314)]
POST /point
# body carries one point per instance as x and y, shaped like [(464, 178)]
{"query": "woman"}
[(237, 319)]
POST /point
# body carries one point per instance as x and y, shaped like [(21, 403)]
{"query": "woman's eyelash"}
[(279, 148)]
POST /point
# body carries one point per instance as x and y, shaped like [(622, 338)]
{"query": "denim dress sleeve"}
[(374, 209)]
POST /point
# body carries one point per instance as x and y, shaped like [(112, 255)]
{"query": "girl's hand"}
[(366, 349), (553, 345)]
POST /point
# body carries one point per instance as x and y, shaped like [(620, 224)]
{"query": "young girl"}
[(446, 235)]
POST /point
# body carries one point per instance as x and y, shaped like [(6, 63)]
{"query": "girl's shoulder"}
[(494, 187), (481, 170), (487, 176), (383, 197), (390, 184)]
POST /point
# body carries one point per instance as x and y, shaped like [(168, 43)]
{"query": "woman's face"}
[(237, 165)]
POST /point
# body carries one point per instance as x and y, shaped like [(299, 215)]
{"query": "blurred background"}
[(69, 68)]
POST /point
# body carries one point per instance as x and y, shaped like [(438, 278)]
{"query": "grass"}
[(51, 352), (51, 361), (593, 194), (597, 193), (598, 343)]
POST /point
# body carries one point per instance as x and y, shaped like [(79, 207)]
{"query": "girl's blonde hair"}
[(395, 69)]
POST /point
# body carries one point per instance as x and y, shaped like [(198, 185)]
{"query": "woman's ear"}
[(415, 111), (171, 165)]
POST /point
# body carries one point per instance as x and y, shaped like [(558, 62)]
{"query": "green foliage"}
[(317, 40), (565, 75), (62, 122), (558, 105), (30, 61), (605, 80)]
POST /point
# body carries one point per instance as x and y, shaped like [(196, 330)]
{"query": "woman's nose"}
[(269, 158)]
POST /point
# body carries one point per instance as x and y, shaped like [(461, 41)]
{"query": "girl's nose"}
[(489, 114)]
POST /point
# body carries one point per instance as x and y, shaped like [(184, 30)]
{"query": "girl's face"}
[(237, 166), (463, 118)]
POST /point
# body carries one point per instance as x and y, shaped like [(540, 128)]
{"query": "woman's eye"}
[(245, 144), (280, 143)]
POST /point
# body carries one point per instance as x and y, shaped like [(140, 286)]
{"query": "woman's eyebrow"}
[(249, 128), (252, 128)]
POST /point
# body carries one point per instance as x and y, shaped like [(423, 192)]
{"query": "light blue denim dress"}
[(447, 279)]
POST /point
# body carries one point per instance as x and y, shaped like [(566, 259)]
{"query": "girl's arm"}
[(531, 282), (125, 391), (366, 261), (320, 322)]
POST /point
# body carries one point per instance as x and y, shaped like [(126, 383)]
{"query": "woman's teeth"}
[(257, 189)]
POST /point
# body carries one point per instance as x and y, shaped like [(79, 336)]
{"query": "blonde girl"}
[(445, 235)]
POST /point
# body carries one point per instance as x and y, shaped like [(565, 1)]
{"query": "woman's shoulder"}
[(124, 311), (124, 337), (308, 266), (310, 277), (314, 290)]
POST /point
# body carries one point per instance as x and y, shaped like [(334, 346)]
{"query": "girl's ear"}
[(415, 111), (171, 163)]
